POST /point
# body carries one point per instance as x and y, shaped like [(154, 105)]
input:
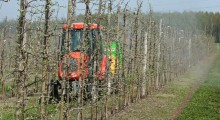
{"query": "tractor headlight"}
[(73, 75)]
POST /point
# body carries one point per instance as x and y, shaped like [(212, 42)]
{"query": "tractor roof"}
[(81, 26)]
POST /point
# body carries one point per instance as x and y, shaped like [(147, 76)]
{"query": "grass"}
[(205, 104), (7, 109)]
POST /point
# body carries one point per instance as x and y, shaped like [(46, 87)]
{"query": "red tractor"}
[(86, 60)]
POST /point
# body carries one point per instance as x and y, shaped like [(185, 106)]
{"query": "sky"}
[(10, 9)]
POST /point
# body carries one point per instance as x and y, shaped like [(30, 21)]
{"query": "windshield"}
[(76, 40)]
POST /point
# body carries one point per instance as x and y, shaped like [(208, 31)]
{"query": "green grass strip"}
[(205, 104)]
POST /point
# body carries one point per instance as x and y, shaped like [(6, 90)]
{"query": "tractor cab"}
[(84, 41), (92, 36)]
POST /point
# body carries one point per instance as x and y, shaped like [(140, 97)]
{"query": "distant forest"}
[(207, 22)]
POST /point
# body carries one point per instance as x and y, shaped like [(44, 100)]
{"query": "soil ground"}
[(169, 102)]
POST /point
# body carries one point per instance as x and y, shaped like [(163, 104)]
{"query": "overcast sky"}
[(10, 9)]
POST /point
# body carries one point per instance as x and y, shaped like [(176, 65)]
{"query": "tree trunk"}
[(2, 65), (144, 79), (45, 59), (20, 82)]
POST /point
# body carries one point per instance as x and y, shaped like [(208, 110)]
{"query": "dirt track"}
[(184, 103)]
